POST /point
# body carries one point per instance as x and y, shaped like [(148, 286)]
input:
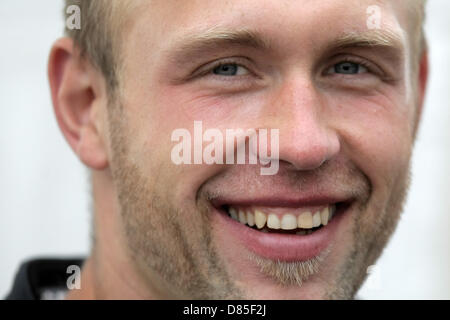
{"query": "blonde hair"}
[(419, 44), (99, 36)]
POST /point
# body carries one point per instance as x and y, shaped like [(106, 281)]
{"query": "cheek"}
[(215, 109), (376, 133), (156, 115)]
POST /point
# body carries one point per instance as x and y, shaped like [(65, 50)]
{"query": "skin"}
[(346, 135)]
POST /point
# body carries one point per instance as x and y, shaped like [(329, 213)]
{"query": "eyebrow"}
[(372, 38), (193, 44)]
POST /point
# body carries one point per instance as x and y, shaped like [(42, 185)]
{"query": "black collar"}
[(42, 279)]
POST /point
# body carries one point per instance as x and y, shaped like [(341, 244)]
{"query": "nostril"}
[(309, 148), (310, 158)]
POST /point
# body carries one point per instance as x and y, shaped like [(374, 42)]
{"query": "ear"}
[(78, 94), (422, 82)]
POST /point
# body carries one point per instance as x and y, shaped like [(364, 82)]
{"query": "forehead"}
[(159, 26), (284, 23), (168, 16)]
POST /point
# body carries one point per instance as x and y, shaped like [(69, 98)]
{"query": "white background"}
[(44, 190)]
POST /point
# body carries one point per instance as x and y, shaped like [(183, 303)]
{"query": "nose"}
[(306, 139)]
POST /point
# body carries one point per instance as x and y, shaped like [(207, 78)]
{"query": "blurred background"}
[(45, 193)]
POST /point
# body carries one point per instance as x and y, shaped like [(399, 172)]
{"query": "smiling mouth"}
[(281, 229), (296, 221)]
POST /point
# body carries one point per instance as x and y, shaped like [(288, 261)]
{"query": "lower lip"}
[(277, 246)]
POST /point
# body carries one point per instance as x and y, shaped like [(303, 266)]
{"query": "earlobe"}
[(75, 99)]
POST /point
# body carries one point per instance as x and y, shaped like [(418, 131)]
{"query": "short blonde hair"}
[(100, 35), (419, 44)]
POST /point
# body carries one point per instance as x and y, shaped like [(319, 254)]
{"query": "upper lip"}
[(280, 201)]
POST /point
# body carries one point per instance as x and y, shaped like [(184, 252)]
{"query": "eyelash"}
[(210, 67), (371, 67), (207, 69)]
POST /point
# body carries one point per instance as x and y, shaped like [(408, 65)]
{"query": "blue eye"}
[(348, 68), (226, 70), (229, 69)]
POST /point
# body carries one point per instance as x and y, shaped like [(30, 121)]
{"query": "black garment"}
[(42, 279)]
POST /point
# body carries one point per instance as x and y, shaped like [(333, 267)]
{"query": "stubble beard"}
[(189, 267), (370, 238), (163, 249)]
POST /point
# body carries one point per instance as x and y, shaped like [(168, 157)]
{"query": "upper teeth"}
[(305, 219)]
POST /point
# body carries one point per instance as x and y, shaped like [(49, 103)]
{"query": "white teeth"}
[(316, 221), (242, 217), (250, 219), (305, 220), (233, 213), (260, 219), (324, 215), (273, 222), (289, 222), (332, 211)]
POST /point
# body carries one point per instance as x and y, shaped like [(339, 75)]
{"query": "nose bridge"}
[(306, 141), (297, 100)]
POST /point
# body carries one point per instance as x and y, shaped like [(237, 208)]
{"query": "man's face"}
[(344, 110)]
